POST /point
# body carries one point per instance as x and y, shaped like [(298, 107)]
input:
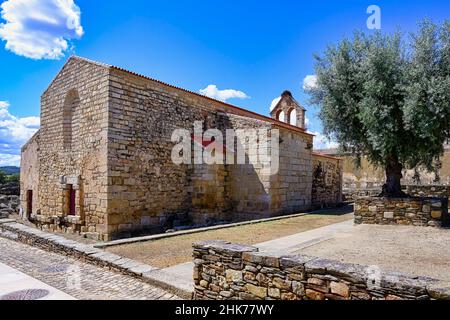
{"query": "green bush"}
[(3, 177), (13, 178)]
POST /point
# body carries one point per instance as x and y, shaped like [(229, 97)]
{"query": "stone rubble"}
[(9, 204)]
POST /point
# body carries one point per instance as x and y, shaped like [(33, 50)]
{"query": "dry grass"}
[(171, 251)]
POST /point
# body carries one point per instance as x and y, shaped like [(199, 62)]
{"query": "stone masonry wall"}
[(106, 135), (29, 175), (367, 176), (291, 186), (146, 188), (327, 181), (83, 164), (432, 191), (431, 212), (225, 271)]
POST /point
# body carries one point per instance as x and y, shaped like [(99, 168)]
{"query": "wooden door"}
[(72, 197), (29, 202)]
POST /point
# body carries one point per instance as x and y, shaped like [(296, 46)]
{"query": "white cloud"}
[(9, 160), (309, 83), (14, 133), (223, 95), (40, 29), (274, 103), (322, 142)]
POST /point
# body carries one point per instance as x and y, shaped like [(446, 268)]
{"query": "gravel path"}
[(417, 251), (168, 252), (80, 280)]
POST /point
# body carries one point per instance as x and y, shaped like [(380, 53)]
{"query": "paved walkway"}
[(17, 285), (293, 243), (181, 274), (32, 268)]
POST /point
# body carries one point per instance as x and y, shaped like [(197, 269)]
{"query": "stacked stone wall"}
[(225, 271), (327, 181), (368, 176), (431, 212), (431, 191)]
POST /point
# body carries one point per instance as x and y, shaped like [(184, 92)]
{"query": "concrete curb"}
[(192, 231), (13, 230)]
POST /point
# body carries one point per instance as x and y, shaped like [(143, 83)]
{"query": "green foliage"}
[(13, 178), (3, 177), (388, 98)]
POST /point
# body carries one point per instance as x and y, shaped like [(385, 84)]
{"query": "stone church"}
[(101, 166)]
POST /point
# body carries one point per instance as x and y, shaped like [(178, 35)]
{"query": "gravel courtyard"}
[(419, 251), (171, 251)]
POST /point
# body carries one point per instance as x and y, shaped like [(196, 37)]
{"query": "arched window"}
[(292, 117), (280, 116), (71, 104)]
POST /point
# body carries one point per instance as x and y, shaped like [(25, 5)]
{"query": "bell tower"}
[(288, 110)]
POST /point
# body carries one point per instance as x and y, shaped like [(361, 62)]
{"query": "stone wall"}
[(10, 189), (225, 271), (29, 175), (327, 181), (368, 176), (9, 204), (431, 212), (292, 185), (72, 151), (106, 135), (351, 195), (430, 191), (139, 162), (433, 191)]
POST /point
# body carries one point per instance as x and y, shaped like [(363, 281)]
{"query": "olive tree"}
[(387, 98)]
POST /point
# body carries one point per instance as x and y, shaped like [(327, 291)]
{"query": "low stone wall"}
[(351, 195), (430, 191), (327, 181), (431, 212), (225, 271), (433, 191), (10, 189), (9, 204)]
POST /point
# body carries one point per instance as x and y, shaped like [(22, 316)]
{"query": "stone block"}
[(233, 275), (314, 295), (388, 215), (436, 214), (340, 289), (259, 292), (282, 284), (274, 293)]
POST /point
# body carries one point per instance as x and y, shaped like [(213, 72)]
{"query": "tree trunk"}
[(393, 187)]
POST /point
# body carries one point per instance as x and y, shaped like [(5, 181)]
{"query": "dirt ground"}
[(418, 251), (171, 251)]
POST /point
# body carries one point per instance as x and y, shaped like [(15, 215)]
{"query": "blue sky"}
[(256, 49)]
